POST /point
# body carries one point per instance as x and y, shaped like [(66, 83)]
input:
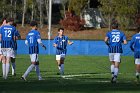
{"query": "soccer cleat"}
[(113, 80), (14, 74), (23, 78), (137, 80), (41, 79)]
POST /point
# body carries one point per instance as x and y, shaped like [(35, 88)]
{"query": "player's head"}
[(10, 21), (33, 24), (115, 26), (138, 29), (3, 21), (61, 31), (14, 24)]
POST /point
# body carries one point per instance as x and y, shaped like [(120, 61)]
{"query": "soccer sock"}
[(62, 68), (13, 67), (116, 70), (112, 70), (4, 70), (137, 74), (7, 69), (28, 70), (37, 71)]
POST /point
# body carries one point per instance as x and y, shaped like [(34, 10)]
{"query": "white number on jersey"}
[(31, 39), (7, 33), (116, 38)]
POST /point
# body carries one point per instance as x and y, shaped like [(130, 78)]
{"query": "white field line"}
[(79, 75)]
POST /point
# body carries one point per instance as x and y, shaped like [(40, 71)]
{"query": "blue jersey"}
[(15, 43), (61, 44), (116, 37), (8, 33), (32, 38), (135, 45)]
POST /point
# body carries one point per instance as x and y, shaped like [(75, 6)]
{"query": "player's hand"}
[(44, 47), (55, 45), (71, 43)]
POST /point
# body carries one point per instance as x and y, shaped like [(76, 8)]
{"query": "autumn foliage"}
[(72, 22)]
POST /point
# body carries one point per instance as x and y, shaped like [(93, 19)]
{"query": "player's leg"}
[(29, 69), (58, 57), (13, 65), (111, 58), (117, 64), (137, 62), (4, 66), (37, 69), (8, 59), (62, 63)]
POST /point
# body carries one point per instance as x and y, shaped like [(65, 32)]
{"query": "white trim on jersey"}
[(116, 57)]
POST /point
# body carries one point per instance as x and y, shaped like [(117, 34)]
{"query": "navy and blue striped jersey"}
[(15, 43), (32, 38), (135, 45), (7, 32), (116, 37), (61, 44)]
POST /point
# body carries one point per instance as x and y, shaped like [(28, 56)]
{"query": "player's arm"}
[(26, 42), (40, 42), (131, 44), (69, 42), (0, 37), (124, 41), (54, 44), (106, 40)]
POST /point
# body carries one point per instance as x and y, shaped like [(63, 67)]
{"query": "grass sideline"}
[(83, 74)]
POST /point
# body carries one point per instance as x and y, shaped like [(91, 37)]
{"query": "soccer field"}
[(83, 74)]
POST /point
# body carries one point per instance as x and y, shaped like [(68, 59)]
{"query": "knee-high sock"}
[(37, 71), (116, 70), (13, 67), (28, 70), (62, 68), (7, 69), (4, 70), (112, 70)]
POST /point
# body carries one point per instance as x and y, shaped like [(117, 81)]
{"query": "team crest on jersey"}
[(63, 40)]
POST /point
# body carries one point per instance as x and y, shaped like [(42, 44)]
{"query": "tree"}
[(24, 11), (64, 3), (121, 10), (77, 6)]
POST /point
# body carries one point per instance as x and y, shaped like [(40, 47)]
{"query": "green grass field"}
[(83, 74)]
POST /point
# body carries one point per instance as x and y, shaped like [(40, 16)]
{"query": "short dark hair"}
[(33, 23), (9, 20), (14, 24), (138, 29), (115, 25), (60, 29)]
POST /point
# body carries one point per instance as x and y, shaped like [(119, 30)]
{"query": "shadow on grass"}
[(84, 85)]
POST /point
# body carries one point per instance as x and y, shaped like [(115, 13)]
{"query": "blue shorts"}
[(137, 54)]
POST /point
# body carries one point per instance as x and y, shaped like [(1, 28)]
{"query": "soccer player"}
[(13, 56), (7, 35), (135, 47), (60, 42), (114, 39), (3, 23), (32, 40)]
